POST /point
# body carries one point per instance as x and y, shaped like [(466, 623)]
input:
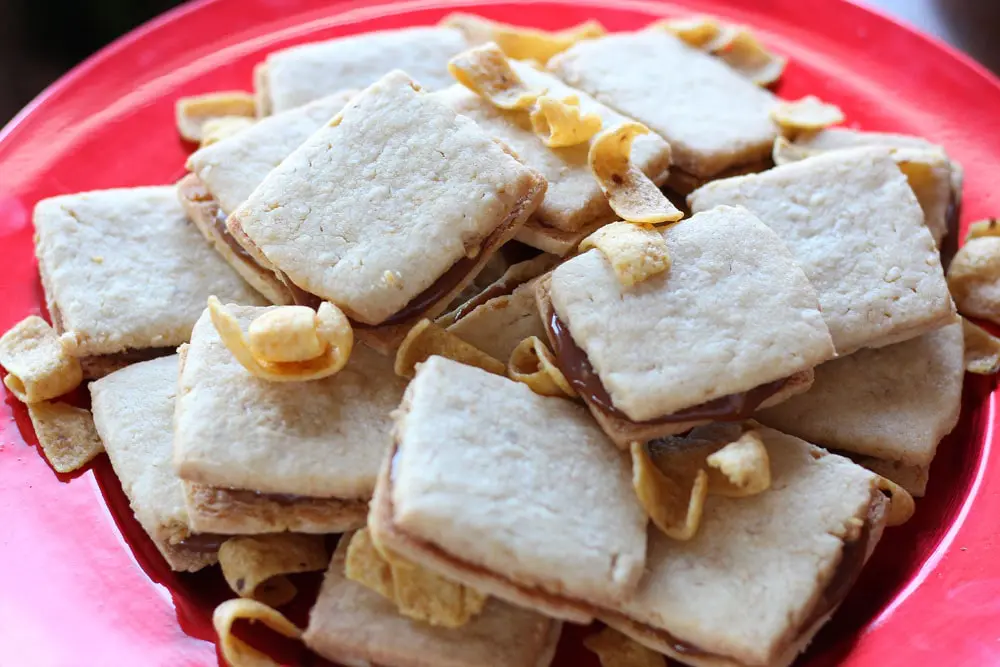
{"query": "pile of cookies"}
[(545, 343)]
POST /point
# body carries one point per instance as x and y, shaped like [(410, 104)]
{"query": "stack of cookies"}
[(542, 341)]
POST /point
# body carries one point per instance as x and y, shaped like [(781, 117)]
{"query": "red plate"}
[(80, 584)]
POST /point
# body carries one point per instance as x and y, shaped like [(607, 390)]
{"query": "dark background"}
[(41, 39)]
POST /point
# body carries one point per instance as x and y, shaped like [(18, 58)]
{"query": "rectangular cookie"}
[(732, 325), (713, 118), (764, 572), (260, 456), (894, 403), (351, 624), (390, 209), (224, 174), (126, 275), (498, 488), (853, 223), (574, 204), (295, 76), (133, 410)]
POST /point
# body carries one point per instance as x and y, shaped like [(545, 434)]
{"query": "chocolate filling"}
[(575, 365), (195, 190), (949, 246), (203, 543)]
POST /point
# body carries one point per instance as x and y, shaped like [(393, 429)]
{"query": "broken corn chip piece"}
[(254, 565), (560, 123), (238, 653), (427, 339), (485, 71), (532, 363), (38, 366), (634, 251)]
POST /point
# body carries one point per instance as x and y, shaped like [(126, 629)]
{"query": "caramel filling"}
[(575, 365)]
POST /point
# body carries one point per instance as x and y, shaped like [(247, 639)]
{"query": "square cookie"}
[(126, 275), (574, 204), (390, 209), (733, 324), (264, 456), (292, 77), (895, 402), (764, 572), (499, 488), (351, 624), (133, 411), (713, 118), (853, 223)]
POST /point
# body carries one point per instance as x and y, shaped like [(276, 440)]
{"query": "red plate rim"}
[(948, 610)]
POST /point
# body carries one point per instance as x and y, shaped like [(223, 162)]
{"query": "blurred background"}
[(41, 39)]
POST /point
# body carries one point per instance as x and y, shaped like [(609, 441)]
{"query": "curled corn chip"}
[(673, 502), (701, 32), (981, 228), (982, 351), (427, 339), (283, 341), (522, 43), (193, 112), (215, 130), (366, 565), (238, 653), (744, 466), (66, 434), (532, 363), (806, 115), (254, 565), (746, 55), (974, 278), (901, 505), (417, 593), (560, 123), (485, 71), (614, 649), (38, 366), (635, 251), (631, 194)]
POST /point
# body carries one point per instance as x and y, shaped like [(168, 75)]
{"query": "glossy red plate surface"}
[(80, 584)]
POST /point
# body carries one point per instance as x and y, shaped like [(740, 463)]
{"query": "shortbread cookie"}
[(351, 624), (764, 572), (300, 74), (732, 325), (389, 210), (713, 118), (501, 498), (573, 202), (126, 275), (895, 402), (260, 453), (133, 410), (855, 226)]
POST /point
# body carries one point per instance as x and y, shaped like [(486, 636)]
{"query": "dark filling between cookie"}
[(195, 190), (203, 543), (575, 365)]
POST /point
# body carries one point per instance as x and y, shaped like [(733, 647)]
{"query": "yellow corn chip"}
[(741, 468), (38, 366), (981, 228), (285, 334), (982, 351), (901, 506), (522, 43), (808, 114), (701, 32), (215, 130), (66, 434), (366, 565), (485, 71), (559, 123), (631, 194), (972, 274), (532, 363), (425, 596), (253, 565), (238, 653), (427, 339), (635, 251), (193, 112), (614, 649), (673, 502), (746, 55)]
